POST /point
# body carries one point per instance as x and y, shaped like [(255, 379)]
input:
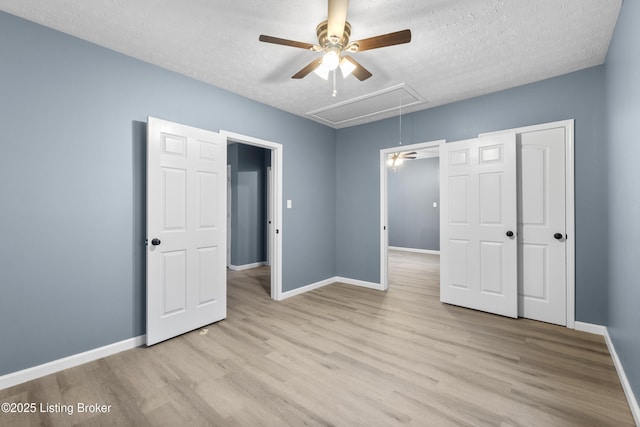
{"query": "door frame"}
[(229, 213), (269, 214), (384, 211), (275, 249), (570, 248)]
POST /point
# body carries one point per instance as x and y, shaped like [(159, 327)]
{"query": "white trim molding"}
[(246, 266), (591, 328), (384, 210), (19, 377), (624, 381), (277, 164), (361, 283), (306, 288), (419, 251), (330, 281), (626, 386)]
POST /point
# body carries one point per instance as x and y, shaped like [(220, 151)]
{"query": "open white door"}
[(186, 229), (478, 224)]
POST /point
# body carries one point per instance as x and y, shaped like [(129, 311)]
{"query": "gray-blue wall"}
[(623, 154), (411, 190), (578, 96), (72, 188), (72, 184), (248, 203)]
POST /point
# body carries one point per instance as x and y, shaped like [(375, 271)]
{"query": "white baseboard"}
[(19, 377), (420, 251), (307, 288), (329, 281), (591, 328), (361, 283), (626, 386), (247, 266)]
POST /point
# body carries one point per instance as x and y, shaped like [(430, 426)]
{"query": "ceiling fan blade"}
[(285, 42), (410, 153), (384, 40), (337, 17), (309, 68), (359, 72)]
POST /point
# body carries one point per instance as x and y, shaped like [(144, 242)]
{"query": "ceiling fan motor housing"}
[(327, 41)]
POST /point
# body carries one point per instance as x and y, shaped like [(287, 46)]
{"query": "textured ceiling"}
[(460, 48)]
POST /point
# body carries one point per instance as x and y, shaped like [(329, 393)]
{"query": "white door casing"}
[(478, 224), (186, 229), (384, 211), (229, 205), (275, 245), (269, 214)]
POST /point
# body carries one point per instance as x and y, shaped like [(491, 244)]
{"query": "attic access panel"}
[(367, 106)]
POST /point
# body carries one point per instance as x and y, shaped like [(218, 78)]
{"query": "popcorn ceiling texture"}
[(460, 48)]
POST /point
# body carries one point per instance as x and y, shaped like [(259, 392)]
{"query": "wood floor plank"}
[(345, 356)]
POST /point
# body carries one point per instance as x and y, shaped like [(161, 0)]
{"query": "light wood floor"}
[(346, 356)]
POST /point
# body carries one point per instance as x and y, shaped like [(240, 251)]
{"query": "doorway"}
[(524, 135), (274, 200), (426, 147), (248, 205)]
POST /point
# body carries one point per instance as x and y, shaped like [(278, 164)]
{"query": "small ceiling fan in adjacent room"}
[(396, 159), (333, 41)]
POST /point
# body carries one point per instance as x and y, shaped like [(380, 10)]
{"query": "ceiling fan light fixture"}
[(331, 59), (394, 160), (347, 67), (322, 72), (334, 40)]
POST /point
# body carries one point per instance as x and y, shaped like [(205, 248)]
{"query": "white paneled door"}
[(186, 229), (478, 242), (541, 225)]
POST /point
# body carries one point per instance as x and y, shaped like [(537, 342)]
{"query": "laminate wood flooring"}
[(345, 356)]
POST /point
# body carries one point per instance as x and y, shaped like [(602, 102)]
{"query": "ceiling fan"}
[(396, 159), (333, 40)]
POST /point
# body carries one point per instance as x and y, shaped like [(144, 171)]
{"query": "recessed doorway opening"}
[(272, 183)]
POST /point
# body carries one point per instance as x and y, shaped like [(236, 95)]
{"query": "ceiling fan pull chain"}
[(335, 91), (400, 132)]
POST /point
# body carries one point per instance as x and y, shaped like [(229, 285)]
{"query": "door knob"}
[(509, 233), (156, 242), (558, 236)]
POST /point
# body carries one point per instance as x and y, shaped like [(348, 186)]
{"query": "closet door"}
[(541, 224), (478, 224)]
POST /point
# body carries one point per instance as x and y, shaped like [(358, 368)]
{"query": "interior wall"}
[(623, 195), (411, 191), (248, 203), (578, 96), (72, 179)]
